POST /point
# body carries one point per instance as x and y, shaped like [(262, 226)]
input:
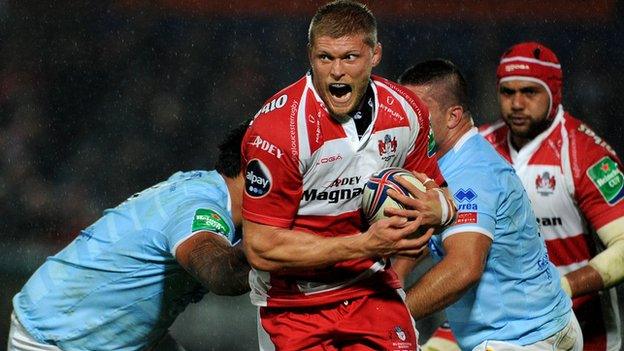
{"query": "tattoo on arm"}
[(222, 268)]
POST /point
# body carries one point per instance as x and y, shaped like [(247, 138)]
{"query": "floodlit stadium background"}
[(101, 99)]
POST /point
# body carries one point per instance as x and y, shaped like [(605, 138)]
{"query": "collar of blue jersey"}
[(464, 138)]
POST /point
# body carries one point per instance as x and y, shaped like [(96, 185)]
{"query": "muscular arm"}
[(605, 269), (270, 248), (458, 271), (220, 267), (403, 265)]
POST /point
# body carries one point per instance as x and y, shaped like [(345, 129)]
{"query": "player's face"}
[(524, 107), (341, 69)]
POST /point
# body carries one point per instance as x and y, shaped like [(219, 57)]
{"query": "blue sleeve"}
[(195, 216), (477, 197)]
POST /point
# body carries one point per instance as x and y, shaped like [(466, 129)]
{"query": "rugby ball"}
[(375, 198)]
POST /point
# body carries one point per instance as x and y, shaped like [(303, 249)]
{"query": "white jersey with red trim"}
[(305, 171), (575, 182)]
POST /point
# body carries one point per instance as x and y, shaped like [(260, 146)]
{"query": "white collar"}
[(464, 138)]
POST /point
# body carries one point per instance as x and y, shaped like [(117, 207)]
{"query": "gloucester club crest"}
[(545, 184), (387, 147)]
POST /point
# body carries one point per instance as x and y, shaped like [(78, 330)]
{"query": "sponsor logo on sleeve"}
[(608, 178), (466, 217), (266, 146), (467, 195), (432, 147), (257, 179), (464, 199), (206, 219), (598, 140), (273, 105)]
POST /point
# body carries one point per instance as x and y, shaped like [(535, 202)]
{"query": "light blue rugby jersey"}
[(118, 286), (519, 298)]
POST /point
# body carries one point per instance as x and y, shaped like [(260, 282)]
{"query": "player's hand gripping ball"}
[(375, 197)]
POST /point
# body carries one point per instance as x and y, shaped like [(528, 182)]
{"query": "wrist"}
[(565, 285)]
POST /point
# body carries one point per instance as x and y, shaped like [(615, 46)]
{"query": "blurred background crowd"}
[(100, 99)]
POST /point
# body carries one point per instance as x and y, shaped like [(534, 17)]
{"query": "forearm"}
[(221, 268), (288, 249), (605, 269), (441, 286), (403, 266), (271, 249)]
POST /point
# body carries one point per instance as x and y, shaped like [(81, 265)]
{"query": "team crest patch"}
[(545, 184), (399, 339), (400, 333), (257, 179), (211, 221), (387, 147), (432, 147), (608, 178)]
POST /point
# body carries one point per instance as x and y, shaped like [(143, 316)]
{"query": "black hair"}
[(439, 71), (229, 161)]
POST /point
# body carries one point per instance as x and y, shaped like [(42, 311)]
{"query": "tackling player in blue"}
[(124, 279), (492, 272)]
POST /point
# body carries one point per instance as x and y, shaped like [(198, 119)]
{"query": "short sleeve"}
[(600, 186), (273, 181), (196, 216), (477, 204)]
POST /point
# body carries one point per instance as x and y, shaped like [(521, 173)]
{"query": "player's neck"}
[(235, 189), (519, 142), (454, 135)]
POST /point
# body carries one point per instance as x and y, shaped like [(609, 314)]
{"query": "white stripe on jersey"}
[(311, 288)]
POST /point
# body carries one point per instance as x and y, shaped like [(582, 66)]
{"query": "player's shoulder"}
[(584, 139), (389, 87), (479, 158), (494, 132), (280, 104), (275, 123), (413, 107), (197, 186)]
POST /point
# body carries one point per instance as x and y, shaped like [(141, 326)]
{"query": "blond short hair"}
[(343, 18)]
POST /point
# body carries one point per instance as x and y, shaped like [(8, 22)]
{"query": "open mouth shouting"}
[(340, 92)]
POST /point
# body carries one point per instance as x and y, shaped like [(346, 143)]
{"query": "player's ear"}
[(454, 114), (376, 54)]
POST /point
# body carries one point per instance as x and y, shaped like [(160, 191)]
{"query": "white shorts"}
[(20, 339), (570, 338)]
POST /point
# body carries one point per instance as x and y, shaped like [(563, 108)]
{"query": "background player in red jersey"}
[(319, 282), (575, 182), (580, 196)]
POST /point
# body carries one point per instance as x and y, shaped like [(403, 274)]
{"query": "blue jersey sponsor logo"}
[(467, 195)]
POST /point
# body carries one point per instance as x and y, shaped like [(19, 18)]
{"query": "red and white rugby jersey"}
[(306, 171), (575, 182)]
